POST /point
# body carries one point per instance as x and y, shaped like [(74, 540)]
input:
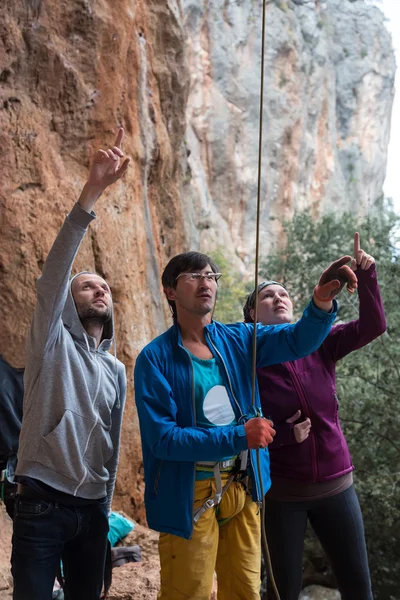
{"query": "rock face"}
[(328, 91), (72, 71), (70, 74), (316, 592), (5, 552)]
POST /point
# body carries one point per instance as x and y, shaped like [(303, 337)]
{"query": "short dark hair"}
[(187, 262)]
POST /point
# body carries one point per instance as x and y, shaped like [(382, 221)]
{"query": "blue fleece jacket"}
[(164, 393)]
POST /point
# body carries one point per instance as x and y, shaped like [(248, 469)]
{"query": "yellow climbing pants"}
[(231, 548)]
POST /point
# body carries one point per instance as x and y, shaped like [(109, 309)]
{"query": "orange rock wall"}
[(71, 72)]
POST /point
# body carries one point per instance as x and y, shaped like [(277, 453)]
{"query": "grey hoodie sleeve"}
[(116, 417), (53, 285)]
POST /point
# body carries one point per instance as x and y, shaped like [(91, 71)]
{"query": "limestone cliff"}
[(329, 76)]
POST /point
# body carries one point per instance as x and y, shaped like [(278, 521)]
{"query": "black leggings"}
[(338, 524)]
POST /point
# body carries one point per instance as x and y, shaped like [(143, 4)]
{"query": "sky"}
[(391, 187)]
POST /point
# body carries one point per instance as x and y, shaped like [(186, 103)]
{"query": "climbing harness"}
[(267, 557), (238, 465)]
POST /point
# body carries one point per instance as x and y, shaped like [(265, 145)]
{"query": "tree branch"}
[(373, 383), (367, 425)]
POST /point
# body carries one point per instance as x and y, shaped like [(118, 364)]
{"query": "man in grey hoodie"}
[(73, 403)]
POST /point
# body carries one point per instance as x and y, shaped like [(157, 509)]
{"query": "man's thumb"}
[(294, 417)]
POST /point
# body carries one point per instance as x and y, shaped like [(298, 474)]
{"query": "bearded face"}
[(92, 298), (95, 313)]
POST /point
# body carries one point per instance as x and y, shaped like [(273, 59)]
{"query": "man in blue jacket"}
[(200, 433)]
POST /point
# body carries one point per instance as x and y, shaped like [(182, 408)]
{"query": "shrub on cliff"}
[(232, 290)]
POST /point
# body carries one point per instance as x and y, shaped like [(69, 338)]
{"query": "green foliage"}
[(232, 290), (368, 381), (282, 4)]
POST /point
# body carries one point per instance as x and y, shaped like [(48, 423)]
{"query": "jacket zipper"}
[(307, 411), (337, 407), (255, 470), (93, 427), (194, 423)]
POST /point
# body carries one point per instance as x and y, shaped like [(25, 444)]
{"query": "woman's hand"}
[(361, 259), (301, 430)]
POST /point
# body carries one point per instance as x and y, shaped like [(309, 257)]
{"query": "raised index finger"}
[(356, 244), (120, 135)]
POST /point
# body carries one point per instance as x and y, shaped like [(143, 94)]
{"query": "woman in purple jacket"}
[(311, 467)]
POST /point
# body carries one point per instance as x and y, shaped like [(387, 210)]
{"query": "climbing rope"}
[(267, 556)]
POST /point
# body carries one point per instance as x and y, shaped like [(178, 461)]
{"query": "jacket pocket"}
[(32, 509), (99, 451), (63, 448)]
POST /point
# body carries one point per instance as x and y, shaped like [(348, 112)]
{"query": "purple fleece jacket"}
[(309, 384)]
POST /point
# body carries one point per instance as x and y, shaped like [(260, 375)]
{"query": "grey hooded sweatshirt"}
[(74, 392)]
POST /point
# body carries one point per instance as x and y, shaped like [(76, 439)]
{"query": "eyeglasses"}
[(198, 276)]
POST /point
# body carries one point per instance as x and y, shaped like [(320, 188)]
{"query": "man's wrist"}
[(325, 305), (89, 195)]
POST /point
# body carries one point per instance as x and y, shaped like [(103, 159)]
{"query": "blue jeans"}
[(47, 532), (337, 522)]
